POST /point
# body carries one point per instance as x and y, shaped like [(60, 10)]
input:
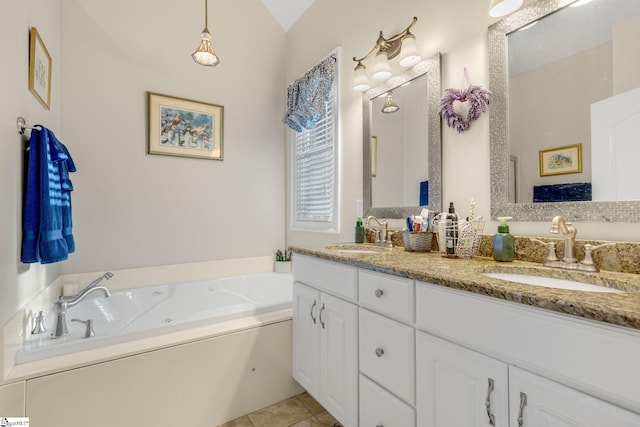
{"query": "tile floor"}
[(301, 410)]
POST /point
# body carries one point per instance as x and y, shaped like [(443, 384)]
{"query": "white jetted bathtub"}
[(148, 311)]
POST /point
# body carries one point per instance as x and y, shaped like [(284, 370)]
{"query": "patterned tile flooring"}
[(301, 410)]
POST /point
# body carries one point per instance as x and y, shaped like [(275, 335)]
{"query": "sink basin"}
[(550, 282), (354, 248)]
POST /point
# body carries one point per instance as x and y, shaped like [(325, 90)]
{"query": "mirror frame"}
[(599, 211), (430, 67)]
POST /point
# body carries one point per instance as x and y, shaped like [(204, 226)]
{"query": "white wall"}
[(19, 282), (459, 31), (132, 209)]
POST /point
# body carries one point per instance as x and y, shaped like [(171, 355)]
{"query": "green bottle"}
[(359, 231), (504, 244)]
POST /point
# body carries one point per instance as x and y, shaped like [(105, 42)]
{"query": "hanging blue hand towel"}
[(47, 236)]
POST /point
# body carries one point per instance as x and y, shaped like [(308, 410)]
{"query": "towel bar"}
[(21, 124)]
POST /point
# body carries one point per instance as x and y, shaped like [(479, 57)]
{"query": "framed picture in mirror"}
[(561, 160)]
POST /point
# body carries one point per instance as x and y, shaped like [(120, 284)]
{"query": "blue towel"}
[(47, 236)]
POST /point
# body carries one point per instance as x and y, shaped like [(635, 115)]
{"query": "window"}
[(314, 168)]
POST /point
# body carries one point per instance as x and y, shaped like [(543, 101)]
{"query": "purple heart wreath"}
[(478, 102)]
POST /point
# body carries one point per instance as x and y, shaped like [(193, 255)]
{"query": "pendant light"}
[(204, 54), (498, 8)]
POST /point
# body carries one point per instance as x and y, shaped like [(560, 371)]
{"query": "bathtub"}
[(144, 312)]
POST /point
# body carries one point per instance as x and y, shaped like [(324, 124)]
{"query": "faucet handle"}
[(89, 327), (588, 259), (551, 246), (39, 326)]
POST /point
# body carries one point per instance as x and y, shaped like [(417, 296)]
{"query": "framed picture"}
[(39, 69), (185, 128), (561, 160)]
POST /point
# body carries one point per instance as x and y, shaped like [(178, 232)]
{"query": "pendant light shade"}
[(390, 105), (499, 8), (204, 54)]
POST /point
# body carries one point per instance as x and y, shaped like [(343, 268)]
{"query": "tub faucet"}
[(63, 303), (380, 240)]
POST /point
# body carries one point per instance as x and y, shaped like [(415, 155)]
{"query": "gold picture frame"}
[(561, 160), (184, 128), (39, 69)]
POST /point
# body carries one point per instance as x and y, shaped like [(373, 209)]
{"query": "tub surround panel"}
[(466, 274), (12, 400), (199, 384)]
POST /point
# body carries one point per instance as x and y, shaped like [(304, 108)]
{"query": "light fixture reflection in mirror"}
[(558, 112), (391, 185), (390, 105)]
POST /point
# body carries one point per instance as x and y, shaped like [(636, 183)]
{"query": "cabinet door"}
[(338, 359), (306, 338), (458, 387), (537, 402)]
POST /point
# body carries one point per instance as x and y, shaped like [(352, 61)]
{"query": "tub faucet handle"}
[(39, 326), (89, 327)]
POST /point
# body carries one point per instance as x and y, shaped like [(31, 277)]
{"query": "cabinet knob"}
[(379, 293), (379, 352), (523, 403)]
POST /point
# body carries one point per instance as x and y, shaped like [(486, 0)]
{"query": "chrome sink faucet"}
[(61, 305), (384, 225)]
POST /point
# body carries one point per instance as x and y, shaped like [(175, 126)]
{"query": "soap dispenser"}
[(359, 231), (504, 245)]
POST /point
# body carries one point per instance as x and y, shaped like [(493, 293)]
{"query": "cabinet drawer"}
[(387, 294), (378, 407), (387, 354), (334, 278)]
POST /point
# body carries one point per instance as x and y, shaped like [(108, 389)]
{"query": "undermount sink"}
[(354, 248), (550, 282)]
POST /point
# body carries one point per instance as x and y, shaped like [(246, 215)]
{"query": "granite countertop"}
[(622, 309)]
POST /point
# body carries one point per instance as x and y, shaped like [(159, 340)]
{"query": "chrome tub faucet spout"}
[(63, 303)]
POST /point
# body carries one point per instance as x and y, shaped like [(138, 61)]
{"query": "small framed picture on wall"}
[(39, 69)]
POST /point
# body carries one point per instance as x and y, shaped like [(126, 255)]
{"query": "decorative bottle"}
[(451, 231)]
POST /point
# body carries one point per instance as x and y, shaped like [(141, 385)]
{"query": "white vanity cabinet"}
[(459, 387), (325, 340), (528, 354), (387, 350), (536, 401)]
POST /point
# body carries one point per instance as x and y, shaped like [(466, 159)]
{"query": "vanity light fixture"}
[(390, 105), (402, 44), (499, 8), (204, 54)]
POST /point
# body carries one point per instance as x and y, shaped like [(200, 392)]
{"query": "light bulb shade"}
[(390, 105), (204, 54), (409, 54), (499, 8), (360, 79), (382, 68)]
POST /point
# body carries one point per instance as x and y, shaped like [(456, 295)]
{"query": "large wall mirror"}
[(565, 111), (402, 153)]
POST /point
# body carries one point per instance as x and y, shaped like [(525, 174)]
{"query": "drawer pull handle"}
[(312, 307), (320, 316), (492, 418), (379, 352), (379, 293), (379, 425), (523, 403)]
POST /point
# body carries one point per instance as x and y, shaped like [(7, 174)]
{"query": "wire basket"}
[(417, 241), (462, 237)]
